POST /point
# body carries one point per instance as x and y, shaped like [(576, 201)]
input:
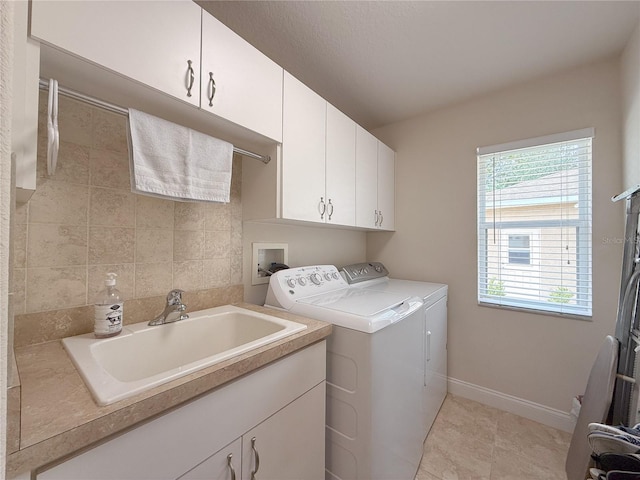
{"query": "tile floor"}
[(470, 441)]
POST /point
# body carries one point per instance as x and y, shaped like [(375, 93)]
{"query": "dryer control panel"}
[(287, 286), (361, 272)]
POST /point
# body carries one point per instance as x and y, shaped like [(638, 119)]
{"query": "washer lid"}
[(360, 302)]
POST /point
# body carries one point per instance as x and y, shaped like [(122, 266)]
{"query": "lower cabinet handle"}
[(233, 471), (257, 459), (322, 207), (212, 89), (330, 209), (191, 76)]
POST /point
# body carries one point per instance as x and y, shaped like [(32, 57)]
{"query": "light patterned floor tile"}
[(470, 441)]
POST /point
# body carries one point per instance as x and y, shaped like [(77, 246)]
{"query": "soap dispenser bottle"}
[(108, 309)]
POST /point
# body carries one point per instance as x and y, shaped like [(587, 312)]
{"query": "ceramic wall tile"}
[(109, 245), (72, 165), (19, 238), (188, 275), (188, 245), (235, 270), (54, 288), (59, 202), (19, 290), (56, 245), (84, 221), (74, 120), (21, 214), (112, 207), (109, 131), (217, 272), (154, 246), (189, 216), (217, 217), (217, 244), (154, 212), (110, 168), (153, 279)]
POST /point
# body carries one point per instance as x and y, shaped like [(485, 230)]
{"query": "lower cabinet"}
[(267, 425), (287, 446)]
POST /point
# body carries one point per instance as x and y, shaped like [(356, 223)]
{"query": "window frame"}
[(583, 235)]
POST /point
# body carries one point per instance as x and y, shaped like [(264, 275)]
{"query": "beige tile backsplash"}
[(84, 221)]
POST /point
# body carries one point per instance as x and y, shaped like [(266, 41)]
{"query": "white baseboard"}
[(518, 406)]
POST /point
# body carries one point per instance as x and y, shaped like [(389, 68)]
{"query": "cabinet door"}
[(222, 465), (303, 153), (340, 168), (248, 85), (366, 179), (436, 360), (386, 187), (148, 41), (290, 444)]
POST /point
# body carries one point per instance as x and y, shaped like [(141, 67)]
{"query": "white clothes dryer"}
[(374, 375), (375, 276)]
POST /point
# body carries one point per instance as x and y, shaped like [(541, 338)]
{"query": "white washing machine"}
[(374, 374), (374, 276)]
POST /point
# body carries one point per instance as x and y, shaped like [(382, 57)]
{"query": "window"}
[(519, 249), (534, 224)]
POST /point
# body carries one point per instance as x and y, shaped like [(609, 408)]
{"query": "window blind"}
[(534, 224)]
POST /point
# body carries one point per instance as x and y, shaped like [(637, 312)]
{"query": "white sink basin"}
[(142, 357)]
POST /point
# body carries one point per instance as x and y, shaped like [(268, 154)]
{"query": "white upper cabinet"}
[(340, 168), (238, 82), (366, 179), (303, 153), (386, 187), (375, 183), (157, 44)]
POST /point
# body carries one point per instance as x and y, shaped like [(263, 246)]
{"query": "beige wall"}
[(631, 109), (543, 359), (307, 246)]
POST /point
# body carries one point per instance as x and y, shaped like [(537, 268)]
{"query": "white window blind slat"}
[(534, 223)]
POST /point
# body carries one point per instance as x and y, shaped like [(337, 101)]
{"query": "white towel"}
[(173, 161)]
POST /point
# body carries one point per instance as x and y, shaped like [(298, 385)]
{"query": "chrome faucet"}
[(174, 310)]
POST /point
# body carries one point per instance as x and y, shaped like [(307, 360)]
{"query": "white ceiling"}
[(385, 61)]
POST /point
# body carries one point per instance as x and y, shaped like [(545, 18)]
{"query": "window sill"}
[(546, 313)]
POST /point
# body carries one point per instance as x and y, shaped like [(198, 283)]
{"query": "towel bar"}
[(44, 85)]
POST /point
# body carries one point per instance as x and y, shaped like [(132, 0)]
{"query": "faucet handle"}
[(174, 297)]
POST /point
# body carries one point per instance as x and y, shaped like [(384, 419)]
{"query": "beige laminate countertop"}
[(59, 416)]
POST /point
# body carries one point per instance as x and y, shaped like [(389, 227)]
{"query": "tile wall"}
[(83, 222)]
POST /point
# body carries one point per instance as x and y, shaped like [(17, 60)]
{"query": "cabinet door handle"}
[(381, 218), (256, 457), (376, 217), (212, 89), (330, 209), (428, 346), (233, 470), (322, 207), (191, 76)]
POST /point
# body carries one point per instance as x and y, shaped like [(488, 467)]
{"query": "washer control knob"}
[(335, 275), (316, 278), (327, 277), (377, 268), (302, 281), (291, 282)]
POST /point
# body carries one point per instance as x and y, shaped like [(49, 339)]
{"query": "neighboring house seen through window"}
[(534, 224)]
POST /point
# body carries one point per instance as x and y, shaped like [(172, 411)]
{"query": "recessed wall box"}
[(264, 255)]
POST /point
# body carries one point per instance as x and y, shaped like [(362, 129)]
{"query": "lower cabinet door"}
[(222, 465), (290, 444)]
